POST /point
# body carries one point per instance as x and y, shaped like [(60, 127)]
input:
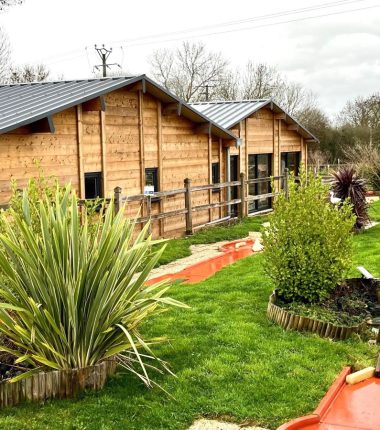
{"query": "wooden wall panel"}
[(122, 142), (92, 150), (56, 154), (290, 140)]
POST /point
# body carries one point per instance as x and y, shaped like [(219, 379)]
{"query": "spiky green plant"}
[(347, 185), (73, 296)]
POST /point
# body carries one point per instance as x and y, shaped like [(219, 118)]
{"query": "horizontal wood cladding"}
[(90, 140), (267, 134), (23, 155)]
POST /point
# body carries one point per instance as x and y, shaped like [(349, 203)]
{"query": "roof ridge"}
[(259, 100), (107, 78)]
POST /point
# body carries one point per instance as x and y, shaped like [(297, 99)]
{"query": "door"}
[(234, 176), (259, 166)]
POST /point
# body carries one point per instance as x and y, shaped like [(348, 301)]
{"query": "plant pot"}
[(291, 321)]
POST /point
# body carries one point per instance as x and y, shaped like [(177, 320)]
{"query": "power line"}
[(246, 20), (157, 39), (69, 54), (252, 27)]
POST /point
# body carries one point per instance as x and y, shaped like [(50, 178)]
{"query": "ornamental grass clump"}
[(73, 296), (308, 244)]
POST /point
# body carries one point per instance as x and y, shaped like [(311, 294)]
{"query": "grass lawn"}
[(230, 362), (374, 211), (179, 248)]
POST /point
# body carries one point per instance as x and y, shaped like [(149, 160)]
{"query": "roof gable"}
[(229, 113), (23, 104)]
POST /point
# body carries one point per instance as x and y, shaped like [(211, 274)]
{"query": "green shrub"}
[(73, 296), (308, 244)]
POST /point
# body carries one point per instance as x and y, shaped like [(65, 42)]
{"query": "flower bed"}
[(291, 321)]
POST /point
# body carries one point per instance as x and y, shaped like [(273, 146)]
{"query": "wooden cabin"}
[(271, 140), (129, 132), (105, 133)]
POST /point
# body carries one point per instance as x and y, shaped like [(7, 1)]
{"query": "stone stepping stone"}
[(204, 424)]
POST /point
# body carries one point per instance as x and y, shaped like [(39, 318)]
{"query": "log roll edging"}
[(289, 320)]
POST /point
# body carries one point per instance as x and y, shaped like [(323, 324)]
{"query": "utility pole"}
[(206, 93), (104, 53)]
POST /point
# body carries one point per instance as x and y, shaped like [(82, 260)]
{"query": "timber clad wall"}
[(137, 135), (137, 131)]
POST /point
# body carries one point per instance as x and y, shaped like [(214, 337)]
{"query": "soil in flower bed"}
[(353, 301), (8, 368)]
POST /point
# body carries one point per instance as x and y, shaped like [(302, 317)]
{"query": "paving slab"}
[(204, 424)]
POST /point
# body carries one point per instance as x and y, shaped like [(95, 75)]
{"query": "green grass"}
[(180, 248), (229, 360), (374, 211)]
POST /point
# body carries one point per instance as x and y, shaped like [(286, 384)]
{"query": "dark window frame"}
[(154, 171), (255, 203), (215, 175), (98, 177), (285, 156)]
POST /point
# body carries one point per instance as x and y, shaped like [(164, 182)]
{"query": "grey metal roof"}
[(23, 104), (229, 113)]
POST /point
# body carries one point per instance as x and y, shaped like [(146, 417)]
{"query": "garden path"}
[(204, 424), (199, 253)]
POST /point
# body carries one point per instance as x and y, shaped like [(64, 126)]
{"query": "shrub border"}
[(291, 321), (58, 384)]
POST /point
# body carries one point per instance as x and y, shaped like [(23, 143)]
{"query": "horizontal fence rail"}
[(188, 192), (231, 204)]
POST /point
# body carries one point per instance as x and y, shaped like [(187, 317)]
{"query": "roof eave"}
[(71, 104)]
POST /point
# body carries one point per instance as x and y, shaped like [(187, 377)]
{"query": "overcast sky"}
[(336, 56)]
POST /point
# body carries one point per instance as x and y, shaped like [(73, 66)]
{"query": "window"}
[(259, 166), (290, 160), (215, 176), (151, 180), (93, 185)]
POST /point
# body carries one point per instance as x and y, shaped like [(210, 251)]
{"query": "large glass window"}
[(259, 166), (290, 160)]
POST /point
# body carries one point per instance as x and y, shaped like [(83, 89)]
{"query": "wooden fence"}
[(187, 193)]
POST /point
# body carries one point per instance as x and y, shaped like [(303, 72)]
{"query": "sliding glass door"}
[(259, 166)]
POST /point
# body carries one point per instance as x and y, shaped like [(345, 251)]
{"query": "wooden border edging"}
[(288, 320), (56, 384)]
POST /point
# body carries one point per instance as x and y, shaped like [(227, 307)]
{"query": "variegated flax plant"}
[(73, 296)]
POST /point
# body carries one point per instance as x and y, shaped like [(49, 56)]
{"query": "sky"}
[(330, 47)]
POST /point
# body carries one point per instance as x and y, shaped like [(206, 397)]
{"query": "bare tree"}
[(361, 117), (5, 4), (188, 70), (28, 73), (260, 81), (5, 56), (295, 99)]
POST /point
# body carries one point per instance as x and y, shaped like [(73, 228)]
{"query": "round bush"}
[(308, 245)]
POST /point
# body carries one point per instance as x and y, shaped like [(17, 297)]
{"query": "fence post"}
[(242, 211), (117, 199), (188, 206), (149, 211), (286, 183)]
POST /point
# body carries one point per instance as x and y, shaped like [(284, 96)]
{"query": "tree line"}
[(196, 74)]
